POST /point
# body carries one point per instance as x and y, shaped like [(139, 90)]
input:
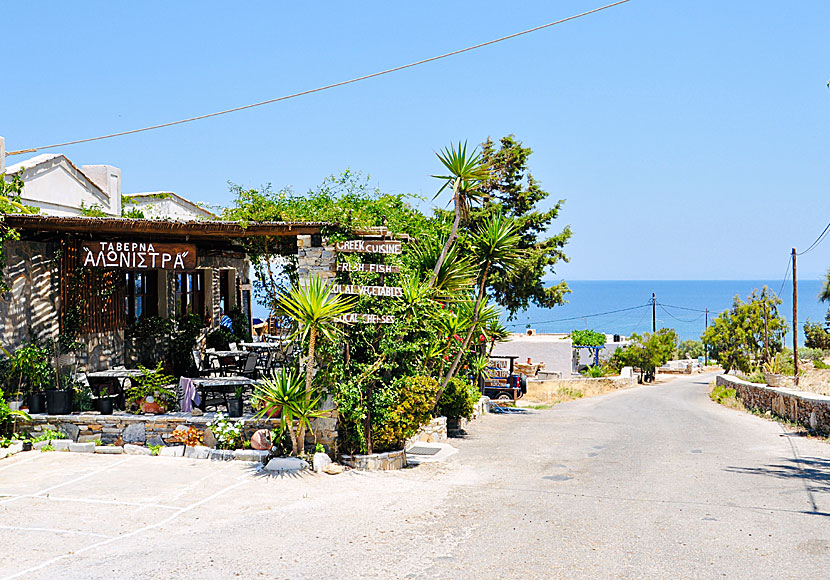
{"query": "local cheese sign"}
[(139, 256), (369, 246), (359, 318)]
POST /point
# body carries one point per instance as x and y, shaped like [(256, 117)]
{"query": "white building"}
[(554, 350), (165, 205), (60, 188)]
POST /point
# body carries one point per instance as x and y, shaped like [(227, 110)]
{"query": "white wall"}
[(555, 350), (54, 185), (171, 207)]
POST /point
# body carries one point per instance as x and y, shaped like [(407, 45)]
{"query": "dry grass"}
[(815, 381), (545, 394)]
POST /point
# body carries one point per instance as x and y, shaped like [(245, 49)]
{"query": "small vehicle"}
[(503, 384)]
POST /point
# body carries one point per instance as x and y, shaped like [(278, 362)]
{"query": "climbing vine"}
[(10, 202)]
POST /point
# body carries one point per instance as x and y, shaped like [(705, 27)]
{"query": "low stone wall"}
[(548, 389), (122, 428), (807, 409), (376, 461), (433, 432)]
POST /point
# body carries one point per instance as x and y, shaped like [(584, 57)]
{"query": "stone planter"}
[(774, 379), (376, 461), (59, 402), (37, 403)]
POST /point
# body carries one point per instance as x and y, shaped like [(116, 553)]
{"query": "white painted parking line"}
[(96, 501), (18, 462), (110, 540), (70, 482), (55, 531)]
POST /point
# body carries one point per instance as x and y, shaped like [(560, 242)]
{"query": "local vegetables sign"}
[(384, 291), (368, 247), (139, 255)]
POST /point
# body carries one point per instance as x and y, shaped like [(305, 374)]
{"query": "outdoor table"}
[(219, 385), (261, 345), (224, 353), (115, 378)]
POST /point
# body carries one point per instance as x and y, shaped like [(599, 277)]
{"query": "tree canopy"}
[(736, 337)]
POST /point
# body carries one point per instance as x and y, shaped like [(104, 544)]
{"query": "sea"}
[(624, 306)]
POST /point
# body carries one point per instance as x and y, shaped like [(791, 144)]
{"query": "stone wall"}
[(122, 428), (807, 409), (33, 302), (548, 389), (433, 432), (376, 461), (102, 351), (320, 261)]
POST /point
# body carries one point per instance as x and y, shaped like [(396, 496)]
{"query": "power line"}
[(819, 239), (586, 315), (323, 88), (786, 275), (681, 319), (681, 307)]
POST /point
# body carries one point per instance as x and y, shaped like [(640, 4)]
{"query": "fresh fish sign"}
[(139, 256)]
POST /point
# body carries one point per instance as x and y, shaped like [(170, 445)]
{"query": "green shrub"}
[(411, 401), (723, 395), (458, 400), (597, 371), (220, 339)]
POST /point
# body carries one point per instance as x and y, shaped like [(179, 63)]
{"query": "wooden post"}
[(766, 329), (706, 344), (795, 321)]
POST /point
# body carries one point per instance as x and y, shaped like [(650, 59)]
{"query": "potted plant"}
[(103, 405), (235, 404), (151, 392), (772, 372)]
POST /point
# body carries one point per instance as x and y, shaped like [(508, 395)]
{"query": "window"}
[(141, 297), (190, 294)]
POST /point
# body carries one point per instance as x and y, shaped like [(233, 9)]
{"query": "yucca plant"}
[(314, 308), (455, 274), (465, 174), (279, 395)]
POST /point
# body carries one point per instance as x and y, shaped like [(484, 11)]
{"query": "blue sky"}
[(689, 138)]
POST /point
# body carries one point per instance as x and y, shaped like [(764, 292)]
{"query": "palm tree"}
[(314, 308), (495, 242), (465, 173)]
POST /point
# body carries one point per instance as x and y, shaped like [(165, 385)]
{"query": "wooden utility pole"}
[(766, 329), (795, 322), (653, 312), (706, 344)]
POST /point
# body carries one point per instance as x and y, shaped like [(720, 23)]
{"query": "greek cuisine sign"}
[(369, 247), (138, 255)]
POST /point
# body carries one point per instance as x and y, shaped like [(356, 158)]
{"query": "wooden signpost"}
[(377, 268), (138, 255), (369, 247), (383, 291), (355, 317)]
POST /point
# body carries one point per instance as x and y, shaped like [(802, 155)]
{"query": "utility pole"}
[(795, 322), (766, 328), (706, 344), (653, 313)]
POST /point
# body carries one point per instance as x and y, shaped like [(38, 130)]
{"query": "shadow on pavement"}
[(813, 471)]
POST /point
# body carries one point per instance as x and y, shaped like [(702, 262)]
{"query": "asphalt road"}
[(651, 482)]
